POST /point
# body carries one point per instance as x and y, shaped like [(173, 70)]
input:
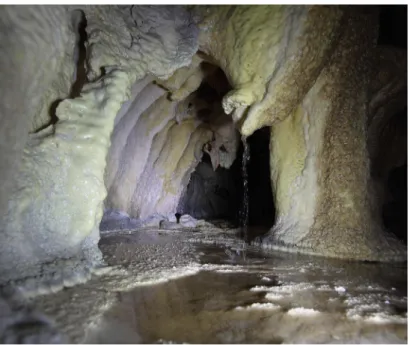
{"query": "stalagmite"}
[(320, 163)]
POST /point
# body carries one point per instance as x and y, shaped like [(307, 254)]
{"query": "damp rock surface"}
[(190, 286)]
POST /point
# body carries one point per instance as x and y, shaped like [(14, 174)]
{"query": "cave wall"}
[(395, 207), (271, 56), (387, 120), (55, 206), (150, 154), (158, 141), (320, 161), (324, 195), (30, 34), (131, 136)]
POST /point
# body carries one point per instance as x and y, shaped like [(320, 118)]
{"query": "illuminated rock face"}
[(46, 55), (158, 141), (271, 55), (320, 162), (56, 202), (131, 139), (319, 157)]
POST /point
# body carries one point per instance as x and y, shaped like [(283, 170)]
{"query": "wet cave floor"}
[(201, 286)]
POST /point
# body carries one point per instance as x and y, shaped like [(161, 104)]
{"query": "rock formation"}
[(56, 201), (324, 193), (124, 129)]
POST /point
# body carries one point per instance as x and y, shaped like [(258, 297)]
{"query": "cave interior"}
[(281, 128)]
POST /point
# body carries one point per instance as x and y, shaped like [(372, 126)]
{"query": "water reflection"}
[(261, 298)]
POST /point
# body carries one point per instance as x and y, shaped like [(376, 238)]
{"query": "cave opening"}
[(214, 195), (395, 208), (389, 163), (215, 191), (148, 143), (261, 205), (218, 195), (391, 168)]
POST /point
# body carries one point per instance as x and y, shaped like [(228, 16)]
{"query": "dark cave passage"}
[(213, 194), (390, 168), (139, 208), (217, 195), (261, 207), (390, 164), (395, 210)]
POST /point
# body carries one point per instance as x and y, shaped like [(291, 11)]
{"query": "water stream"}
[(244, 215)]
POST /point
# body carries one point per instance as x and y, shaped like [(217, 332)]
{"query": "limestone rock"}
[(55, 207), (271, 56)]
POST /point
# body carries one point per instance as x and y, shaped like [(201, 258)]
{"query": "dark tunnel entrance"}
[(390, 164), (214, 195), (389, 170), (392, 159), (217, 195), (261, 207), (390, 167), (395, 209)]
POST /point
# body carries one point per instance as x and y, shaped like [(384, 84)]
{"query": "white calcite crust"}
[(55, 207), (132, 137)]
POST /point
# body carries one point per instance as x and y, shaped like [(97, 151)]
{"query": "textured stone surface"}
[(159, 140), (38, 50), (131, 35), (305, 70), (155, 147), (271, 56), (321, 176), (56, 206), (135, 132)]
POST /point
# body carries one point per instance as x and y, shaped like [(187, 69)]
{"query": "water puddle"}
[(261, 298)]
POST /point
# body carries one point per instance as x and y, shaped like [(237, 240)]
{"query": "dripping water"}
[(244, 215)]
